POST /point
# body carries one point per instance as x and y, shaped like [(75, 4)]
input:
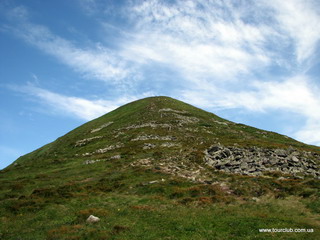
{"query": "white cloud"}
[(97, 63), (310, 132), (300, 19), (198, 41), (224, 40), (296, 94), (212, 40), (74, 106)]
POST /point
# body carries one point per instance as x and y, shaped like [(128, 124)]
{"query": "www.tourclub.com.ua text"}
[(283, 230)]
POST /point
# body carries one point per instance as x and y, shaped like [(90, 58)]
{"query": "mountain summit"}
[(158, 157)]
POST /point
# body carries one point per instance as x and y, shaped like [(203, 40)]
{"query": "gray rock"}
[(244, 165), (255, 161), (294, 159), (92, 219), (252, 170), (281, 152), (148, 146)]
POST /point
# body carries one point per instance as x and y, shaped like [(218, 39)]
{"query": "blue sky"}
[(63, 63)]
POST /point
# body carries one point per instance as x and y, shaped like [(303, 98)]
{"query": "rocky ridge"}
[(256, 161)]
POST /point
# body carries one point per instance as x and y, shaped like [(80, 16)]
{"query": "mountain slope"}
[(162, 128), (161, 157)]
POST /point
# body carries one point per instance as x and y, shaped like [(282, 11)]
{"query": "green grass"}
[(130, 208)]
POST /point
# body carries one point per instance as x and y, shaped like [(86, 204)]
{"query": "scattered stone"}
[(281, 178), (115, 157), (91, 161), (152, 182), (151, 124), (148, 146), (104, 150), (171, 110), (111, 147), (142, 162), (185, 119), (85, 141), (86, 154), (168, 144), (221, 123), (119, 134), (192, 129), (101, 127), (153, 137), (191, 171), (92, 219)]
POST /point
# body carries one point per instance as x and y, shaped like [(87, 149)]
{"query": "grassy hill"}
[(142, 170)]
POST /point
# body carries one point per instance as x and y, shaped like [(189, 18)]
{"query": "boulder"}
[(280, 152), (294, 159), (92, 219), (214, 149)]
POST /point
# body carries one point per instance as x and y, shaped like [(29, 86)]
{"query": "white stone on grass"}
[(92, 219)]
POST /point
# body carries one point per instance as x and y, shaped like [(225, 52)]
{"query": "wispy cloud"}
[(73, 106), (212, 40), (196, 40), (223, 40), (300, 20), (97, 63), (310, 132)]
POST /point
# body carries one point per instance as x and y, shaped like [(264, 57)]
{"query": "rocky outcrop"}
[(257, 161)]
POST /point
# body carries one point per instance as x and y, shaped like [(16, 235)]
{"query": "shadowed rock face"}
[(256, 161)]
